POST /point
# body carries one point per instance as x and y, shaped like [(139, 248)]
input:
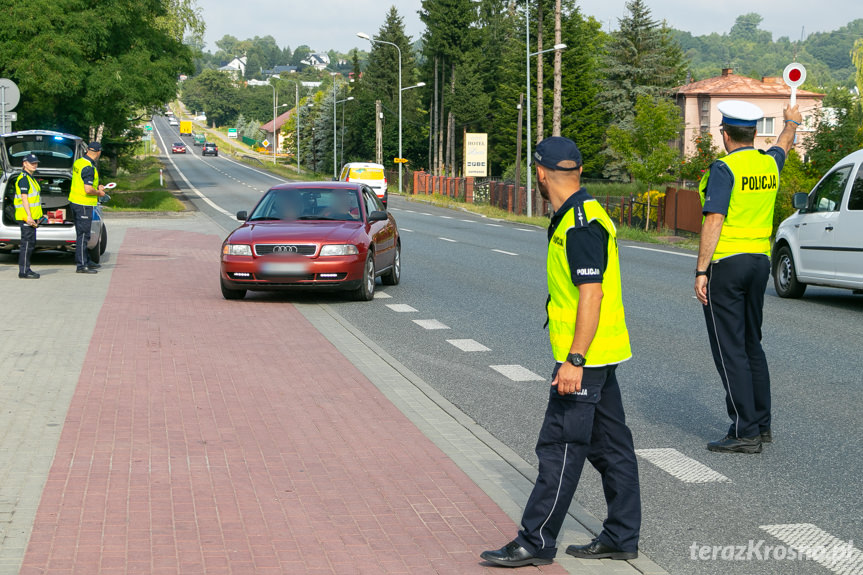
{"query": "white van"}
[(371, 175), (822, 244)]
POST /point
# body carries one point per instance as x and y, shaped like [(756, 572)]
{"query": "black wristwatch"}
[(699, 273), (576, 359)]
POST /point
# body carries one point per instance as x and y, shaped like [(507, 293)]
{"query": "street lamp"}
[(335, 137), (275, 138), (299, 115)]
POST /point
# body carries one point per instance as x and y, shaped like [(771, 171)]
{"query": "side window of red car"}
[(368, 198)]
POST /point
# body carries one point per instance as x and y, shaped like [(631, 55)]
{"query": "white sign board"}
[(476, 155)]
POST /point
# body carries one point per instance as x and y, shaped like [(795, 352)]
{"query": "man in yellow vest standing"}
[(83, 198), (28, 210), (584, 418), (738, 195)]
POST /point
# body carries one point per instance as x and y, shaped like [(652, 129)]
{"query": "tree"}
[(213, 92), (694, 166), (836, 135), (857, 58)]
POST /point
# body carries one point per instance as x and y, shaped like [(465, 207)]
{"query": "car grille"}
[(285, 249)]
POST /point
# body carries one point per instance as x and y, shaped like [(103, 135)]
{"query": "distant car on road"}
[(822, 244), (178, 148), (321, 235), (172, 121), (371, 175), (210, 149)]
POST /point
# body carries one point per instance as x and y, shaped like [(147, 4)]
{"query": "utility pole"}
[(379, 133), (518, 144)]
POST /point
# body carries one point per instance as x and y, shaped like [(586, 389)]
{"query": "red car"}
[(322, 235), (178, 148)]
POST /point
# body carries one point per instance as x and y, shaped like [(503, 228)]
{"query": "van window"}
[(855, 201), (828, 194), (367, 174)]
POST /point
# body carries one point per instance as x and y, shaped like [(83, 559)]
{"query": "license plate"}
[(285, 268)]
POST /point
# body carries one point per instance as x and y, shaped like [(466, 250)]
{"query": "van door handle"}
[(829, 227)]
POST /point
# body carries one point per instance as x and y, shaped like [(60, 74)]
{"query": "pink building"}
[(698, 103)]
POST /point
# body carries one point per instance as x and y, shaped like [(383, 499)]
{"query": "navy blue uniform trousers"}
[(587, 425), (734, 312), (83, 221)]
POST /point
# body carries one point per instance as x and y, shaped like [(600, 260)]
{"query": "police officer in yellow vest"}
[(83, 198), (584, 418), (738, 194), (28, 210)]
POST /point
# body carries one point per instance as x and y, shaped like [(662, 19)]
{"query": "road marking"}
[(448, 240), (469, 221), (411, 211), (446, 217), (401, 307), (430, 324), (525, 230), (819, 546), (504, 252), (516, 373), (495, 225), (424, 213), (405, 230), (662, 251), (680, 466), (382, 295), (467, 345)]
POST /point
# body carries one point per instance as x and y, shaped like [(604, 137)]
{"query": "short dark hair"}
[(740, 134)]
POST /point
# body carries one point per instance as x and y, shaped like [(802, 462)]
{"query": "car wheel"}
[(785, 275), (229, 293), (103, 241), (95, 253), (366, 291), (392, 277)]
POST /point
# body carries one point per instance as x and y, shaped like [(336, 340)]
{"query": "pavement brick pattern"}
[(208, 436)]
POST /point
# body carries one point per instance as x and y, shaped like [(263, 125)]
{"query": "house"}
[(273, 135), (280, 70), (236, 67), (698, 103), (316, 60)]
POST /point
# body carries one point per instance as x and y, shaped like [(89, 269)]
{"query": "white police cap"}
[(739, 113)]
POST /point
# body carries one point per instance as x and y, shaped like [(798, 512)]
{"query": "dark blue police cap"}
[(95, 146), (558, 153), (32, 158)]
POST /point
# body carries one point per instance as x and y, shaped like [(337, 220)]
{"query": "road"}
[(475, 291)]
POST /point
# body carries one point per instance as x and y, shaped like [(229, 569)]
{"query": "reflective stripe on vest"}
[(33, 198), (749, 222), (611, 343), (78, 194)]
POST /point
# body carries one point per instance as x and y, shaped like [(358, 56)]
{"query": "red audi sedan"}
[(321, 235)]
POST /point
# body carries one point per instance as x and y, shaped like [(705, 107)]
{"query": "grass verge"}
[(139, 190)]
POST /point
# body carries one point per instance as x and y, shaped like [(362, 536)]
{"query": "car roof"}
[(363, 165), (41, 133), (852, 157), (328, 185)]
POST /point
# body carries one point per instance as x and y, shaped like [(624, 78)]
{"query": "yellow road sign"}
[(400, 160)]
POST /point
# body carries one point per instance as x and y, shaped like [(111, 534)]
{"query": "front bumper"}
[(269, 273)]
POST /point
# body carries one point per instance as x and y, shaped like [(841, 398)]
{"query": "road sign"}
[(400, 160), (232, 133), (266, 143), (794, 76), (148, 127), (11, 116), (9, 97)]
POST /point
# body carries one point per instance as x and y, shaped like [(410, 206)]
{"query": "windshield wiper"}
[(263, 219), (320, 218)]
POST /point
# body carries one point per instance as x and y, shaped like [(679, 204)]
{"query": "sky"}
[(332, 24)]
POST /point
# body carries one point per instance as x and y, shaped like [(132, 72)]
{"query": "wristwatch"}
[(699, 273), (576, 359)]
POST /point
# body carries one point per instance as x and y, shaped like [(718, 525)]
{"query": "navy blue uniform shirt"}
[(586, 243)]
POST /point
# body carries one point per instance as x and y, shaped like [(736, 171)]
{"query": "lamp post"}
[(335, 127), (274, 122)]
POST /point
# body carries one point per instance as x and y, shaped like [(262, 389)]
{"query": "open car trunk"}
[(55, 200)]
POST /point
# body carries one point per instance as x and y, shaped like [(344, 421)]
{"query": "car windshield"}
[(52, 151), (308, 204), (179, 144)]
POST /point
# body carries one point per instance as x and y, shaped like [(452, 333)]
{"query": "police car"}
[(822, 244), (56, 152)]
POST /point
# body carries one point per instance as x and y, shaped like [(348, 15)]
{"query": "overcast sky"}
[(333, 24)]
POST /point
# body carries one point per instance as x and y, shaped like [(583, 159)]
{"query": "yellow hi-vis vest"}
[(78, 195), (611, 343), (749, 222), (33, 198)]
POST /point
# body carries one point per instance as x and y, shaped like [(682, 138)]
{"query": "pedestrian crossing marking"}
[(516, 373), (468, 345), (815, 544), (680, 466)]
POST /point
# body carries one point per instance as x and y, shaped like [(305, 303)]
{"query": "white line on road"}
[(662, 251), (516, 373), (405, 230), (430, 324), (448, 240), (680, 466), (446, 217), (469, 221), (424, 213), (819, 546), (495, 225), (525, 230), (382, 295), (468, 345), (504, 252), (401, 307)]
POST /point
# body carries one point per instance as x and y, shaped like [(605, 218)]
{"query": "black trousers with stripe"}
[(592, 426), (734, 313)]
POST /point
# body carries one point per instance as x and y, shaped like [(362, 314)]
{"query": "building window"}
[(765, 127)]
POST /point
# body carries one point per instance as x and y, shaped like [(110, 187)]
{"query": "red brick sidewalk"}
[(208, 436)]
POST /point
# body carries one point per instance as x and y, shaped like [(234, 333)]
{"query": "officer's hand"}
[(101, 192), (31, 222), (568, 379), (793, 114), (701, 289), (101, 188)]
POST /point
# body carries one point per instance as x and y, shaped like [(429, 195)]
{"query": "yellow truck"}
[(185, 127)]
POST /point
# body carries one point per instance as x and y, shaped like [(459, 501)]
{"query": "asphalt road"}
[(484, 281)]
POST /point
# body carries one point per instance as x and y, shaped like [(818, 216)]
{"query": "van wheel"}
[(785, 275), (103, 241)]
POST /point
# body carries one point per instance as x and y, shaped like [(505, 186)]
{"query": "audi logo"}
[(285, 250)]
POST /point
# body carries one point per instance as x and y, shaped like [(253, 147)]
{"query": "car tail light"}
[(348, 179)]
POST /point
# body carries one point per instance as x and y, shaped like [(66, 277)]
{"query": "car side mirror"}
[(242, 216), (800, 201), (378, 216)]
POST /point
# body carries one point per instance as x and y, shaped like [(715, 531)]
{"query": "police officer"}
[(28, 210), (83, 198), (584, 418), (738, 195)]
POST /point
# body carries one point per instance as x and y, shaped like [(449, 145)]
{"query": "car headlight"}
[(339, 250), (237, 250)]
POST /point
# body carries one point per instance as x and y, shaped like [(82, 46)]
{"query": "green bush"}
[(794, 179)]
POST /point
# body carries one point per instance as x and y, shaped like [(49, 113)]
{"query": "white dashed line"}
[(819, 546), (525, 230), (401, 307), (430, 324), (469, 221), (382, 295), (410, 211), (448, 240), (516, 373), (504, 252), (446, 217), (405, 230), (424, 213), (467, 345), (680, 466), (495, 225), (663, 251)]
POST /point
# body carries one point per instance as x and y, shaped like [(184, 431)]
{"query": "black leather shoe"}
[(30, 275), (597, 550), (766, 436), (731, 444), (513, 555), (85, 271), (93, 266)]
